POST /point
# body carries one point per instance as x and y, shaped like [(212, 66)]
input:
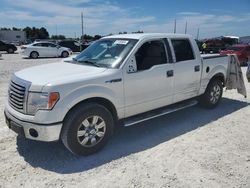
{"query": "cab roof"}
[(140, 36)]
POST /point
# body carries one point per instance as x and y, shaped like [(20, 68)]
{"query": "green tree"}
[(5, 29), (16, 29), (61, 37), (87, 37), (96, 37), (36, 33), (138, 31)]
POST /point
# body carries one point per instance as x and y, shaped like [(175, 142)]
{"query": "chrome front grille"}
[(17, 96)]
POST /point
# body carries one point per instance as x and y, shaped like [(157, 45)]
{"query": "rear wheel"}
[(10, 51), (87, 129), (34, 55), (65, 54), (212, 95)]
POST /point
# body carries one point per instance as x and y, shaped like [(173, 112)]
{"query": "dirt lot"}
[(190, 148)]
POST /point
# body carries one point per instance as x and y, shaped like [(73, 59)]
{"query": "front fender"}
[(73, 98)]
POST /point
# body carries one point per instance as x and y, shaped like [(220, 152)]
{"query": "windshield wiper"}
[(89, 63)]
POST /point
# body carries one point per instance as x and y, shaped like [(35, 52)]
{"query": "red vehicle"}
[(241, 50)]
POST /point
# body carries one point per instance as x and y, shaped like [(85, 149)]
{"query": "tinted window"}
[(37, 44), (51, 45), (233, 48), (150, 54), (183, 50)]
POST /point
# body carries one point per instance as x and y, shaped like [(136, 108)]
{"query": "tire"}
[(65, 54), (34, 55), (212, 96), (87, 128), (10, 51)]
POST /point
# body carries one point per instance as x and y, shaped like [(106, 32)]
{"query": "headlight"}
[(41, 101)]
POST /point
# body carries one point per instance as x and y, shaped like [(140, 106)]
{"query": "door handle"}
[(170, 73), (197, 68)]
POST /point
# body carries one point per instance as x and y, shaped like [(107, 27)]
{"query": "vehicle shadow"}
[(9, 53), (126, 140), (28, 58)]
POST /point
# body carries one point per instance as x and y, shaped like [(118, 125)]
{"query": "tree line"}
[(42, 33)]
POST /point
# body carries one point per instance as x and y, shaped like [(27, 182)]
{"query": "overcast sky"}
[(212, 17)]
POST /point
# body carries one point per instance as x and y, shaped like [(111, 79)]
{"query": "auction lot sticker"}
[(122, 42)]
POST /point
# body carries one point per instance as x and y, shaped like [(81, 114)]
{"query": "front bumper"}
[(39, 132)]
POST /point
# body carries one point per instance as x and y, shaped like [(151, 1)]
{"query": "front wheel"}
[(212, 95), (87, 129)]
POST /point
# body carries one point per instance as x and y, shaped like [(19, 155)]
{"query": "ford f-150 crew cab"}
[(122, 79)]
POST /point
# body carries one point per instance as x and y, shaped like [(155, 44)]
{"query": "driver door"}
[(151, 85)]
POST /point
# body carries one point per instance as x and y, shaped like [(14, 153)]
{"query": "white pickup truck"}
[(122, 79)]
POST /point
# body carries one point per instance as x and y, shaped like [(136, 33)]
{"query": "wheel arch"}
[(98, 100), (63, 52), (35, 52), (220, 76), (206, 81)]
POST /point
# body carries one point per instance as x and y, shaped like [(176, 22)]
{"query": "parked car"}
[(45, 49), (73, 45), (215, 45), (10, 48), (241, 50), (124, 78)]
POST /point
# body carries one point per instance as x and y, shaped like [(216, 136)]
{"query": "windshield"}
[(106, 52), (233, 48)]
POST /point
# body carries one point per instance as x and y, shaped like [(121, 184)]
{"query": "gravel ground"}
[(190, 148)]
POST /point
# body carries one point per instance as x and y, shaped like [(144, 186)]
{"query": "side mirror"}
[(131, 65), (58, 46)]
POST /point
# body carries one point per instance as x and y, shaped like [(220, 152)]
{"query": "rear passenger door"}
[(39, 47), (187, 70), (52, 50)]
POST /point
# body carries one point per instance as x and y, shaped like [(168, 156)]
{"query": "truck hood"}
[(58, 73)]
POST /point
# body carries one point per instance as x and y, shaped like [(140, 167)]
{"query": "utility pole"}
[(186, 28), (198, 33), (82, 24), (175, 26), (82, 31)]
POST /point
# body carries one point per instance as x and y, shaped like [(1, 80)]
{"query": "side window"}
[(44, 44), (51, 45), (183, 50), (37, 44), (150, 54)]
